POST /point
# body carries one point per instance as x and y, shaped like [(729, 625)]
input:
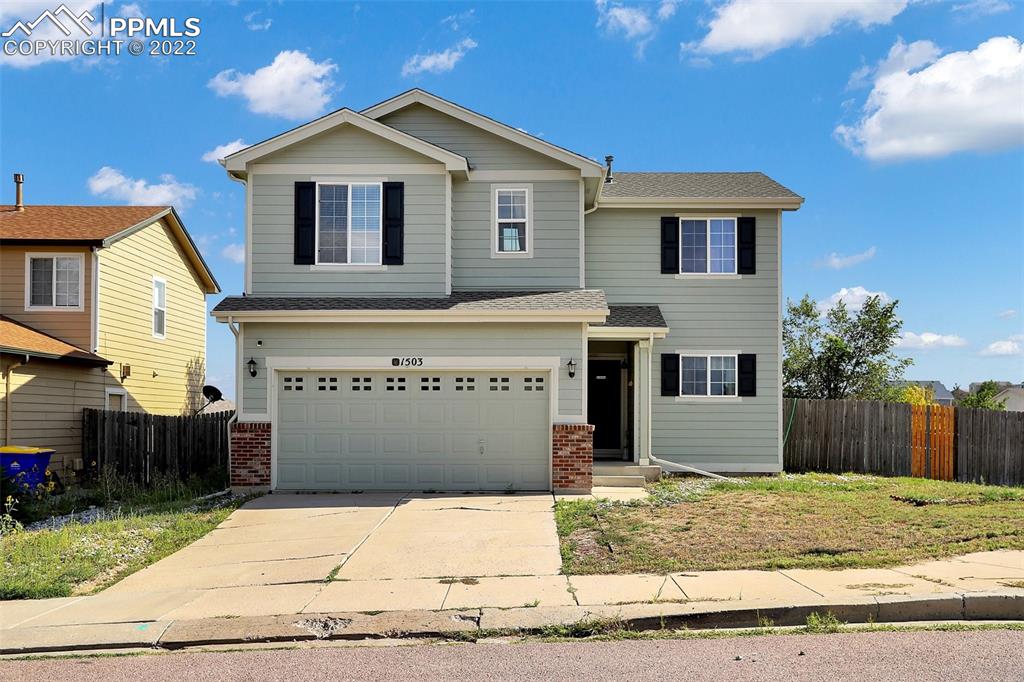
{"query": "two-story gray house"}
[(437, 301)]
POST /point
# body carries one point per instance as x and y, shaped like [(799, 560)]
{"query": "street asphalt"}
[(989, 655)]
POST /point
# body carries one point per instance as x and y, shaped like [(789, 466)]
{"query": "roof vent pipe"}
[(608, 177), (19, 193)]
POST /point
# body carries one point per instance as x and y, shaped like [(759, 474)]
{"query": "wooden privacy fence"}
[(143, 446), (898, 439)]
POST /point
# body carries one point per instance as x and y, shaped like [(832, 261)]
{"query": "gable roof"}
[(740, 189), (98, 226), (78, 223), (235, 163), (588, 167), (21, 339)]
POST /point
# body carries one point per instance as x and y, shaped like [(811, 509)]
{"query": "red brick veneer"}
[(250, 454), (572, 456)]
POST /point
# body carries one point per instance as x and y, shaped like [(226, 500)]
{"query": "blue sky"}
[(902, 123)]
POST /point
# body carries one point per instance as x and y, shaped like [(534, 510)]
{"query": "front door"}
[(604, 403)]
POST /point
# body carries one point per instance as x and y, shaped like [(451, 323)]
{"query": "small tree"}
[(917, 395), (984, 398), (836, 354)]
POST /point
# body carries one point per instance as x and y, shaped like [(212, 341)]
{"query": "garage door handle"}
[(483, 446)]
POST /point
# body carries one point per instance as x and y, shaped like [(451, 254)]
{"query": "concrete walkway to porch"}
[(313, 554)]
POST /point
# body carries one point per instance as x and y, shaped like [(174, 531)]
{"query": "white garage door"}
[(413, 430)]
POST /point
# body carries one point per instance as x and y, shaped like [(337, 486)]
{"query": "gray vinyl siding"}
[(273, 268), (564, 340), (556, 231), (484, 150), (346, 144), (623, 258)]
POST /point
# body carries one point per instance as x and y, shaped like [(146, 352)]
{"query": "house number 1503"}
[(406, 362)]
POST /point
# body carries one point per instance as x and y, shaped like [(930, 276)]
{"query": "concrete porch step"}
[(650, 472), (620, 481)]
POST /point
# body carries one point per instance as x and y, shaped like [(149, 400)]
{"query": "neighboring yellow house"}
[(100, 306)]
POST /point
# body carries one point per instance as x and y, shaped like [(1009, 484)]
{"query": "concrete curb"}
[(470, 624)]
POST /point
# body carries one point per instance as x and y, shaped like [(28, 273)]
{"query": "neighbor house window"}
[(159, 307), (707, 375), (349, 223), (708, 246), (54, 281), (513, 223)]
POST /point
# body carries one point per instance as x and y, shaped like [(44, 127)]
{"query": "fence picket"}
[(143, 446), (946, 443)]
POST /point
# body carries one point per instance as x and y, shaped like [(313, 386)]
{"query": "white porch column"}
[(642, 401)]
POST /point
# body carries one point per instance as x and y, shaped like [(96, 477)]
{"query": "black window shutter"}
[(394, 223), (305, 223), (746, 375), (669, 374), (670, 246), (745, 246)]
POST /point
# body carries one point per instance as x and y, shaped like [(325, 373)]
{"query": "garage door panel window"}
[(327, 383), (533, 383), (430, 383), (395, 384), (362, 384), (500, 383), (465, 383), (293, 383)]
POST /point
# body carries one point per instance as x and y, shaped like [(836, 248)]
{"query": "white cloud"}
[(12, 11), (901, 57), (963, 101), (226, 149), (853, 297), (438, 62), (1007, 314), (456, 21), (755, 28), (635, 23), (234, 253), (293, 86), (113, 184), (837, 261), (253, 23), (981, 8), (1011, 346), (130, 10), (667, 9), (927, 340)]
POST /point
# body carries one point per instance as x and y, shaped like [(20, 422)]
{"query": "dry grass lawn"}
[(789, 521)]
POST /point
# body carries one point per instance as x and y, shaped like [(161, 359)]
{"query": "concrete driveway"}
[(385, 551)]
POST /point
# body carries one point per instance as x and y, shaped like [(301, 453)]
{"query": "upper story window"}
[(708, 246), (513, 223), (159, 307), (54, 281), (348, 223), (707, 375)]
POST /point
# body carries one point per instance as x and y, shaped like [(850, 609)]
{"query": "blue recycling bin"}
[(25, 466)]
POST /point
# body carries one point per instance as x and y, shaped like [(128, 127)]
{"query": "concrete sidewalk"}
[(124, 617)]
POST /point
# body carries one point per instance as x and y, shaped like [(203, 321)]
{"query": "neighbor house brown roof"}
[(72, 223), (19, 338)]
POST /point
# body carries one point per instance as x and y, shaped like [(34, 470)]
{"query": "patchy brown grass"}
[(807, 521)]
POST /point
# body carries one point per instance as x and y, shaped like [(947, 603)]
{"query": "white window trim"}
[(154, 308), (496, 233), (707, 396), (350, 266), (707, 245), (28, 281), (115, 391)]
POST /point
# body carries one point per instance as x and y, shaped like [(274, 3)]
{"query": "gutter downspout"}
[(671, 466), (9, 407), (234, 418)]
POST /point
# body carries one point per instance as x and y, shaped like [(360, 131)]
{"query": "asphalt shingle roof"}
[(635, 316), (576, 300), (85, 223), (16, 337), (695, 186)]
